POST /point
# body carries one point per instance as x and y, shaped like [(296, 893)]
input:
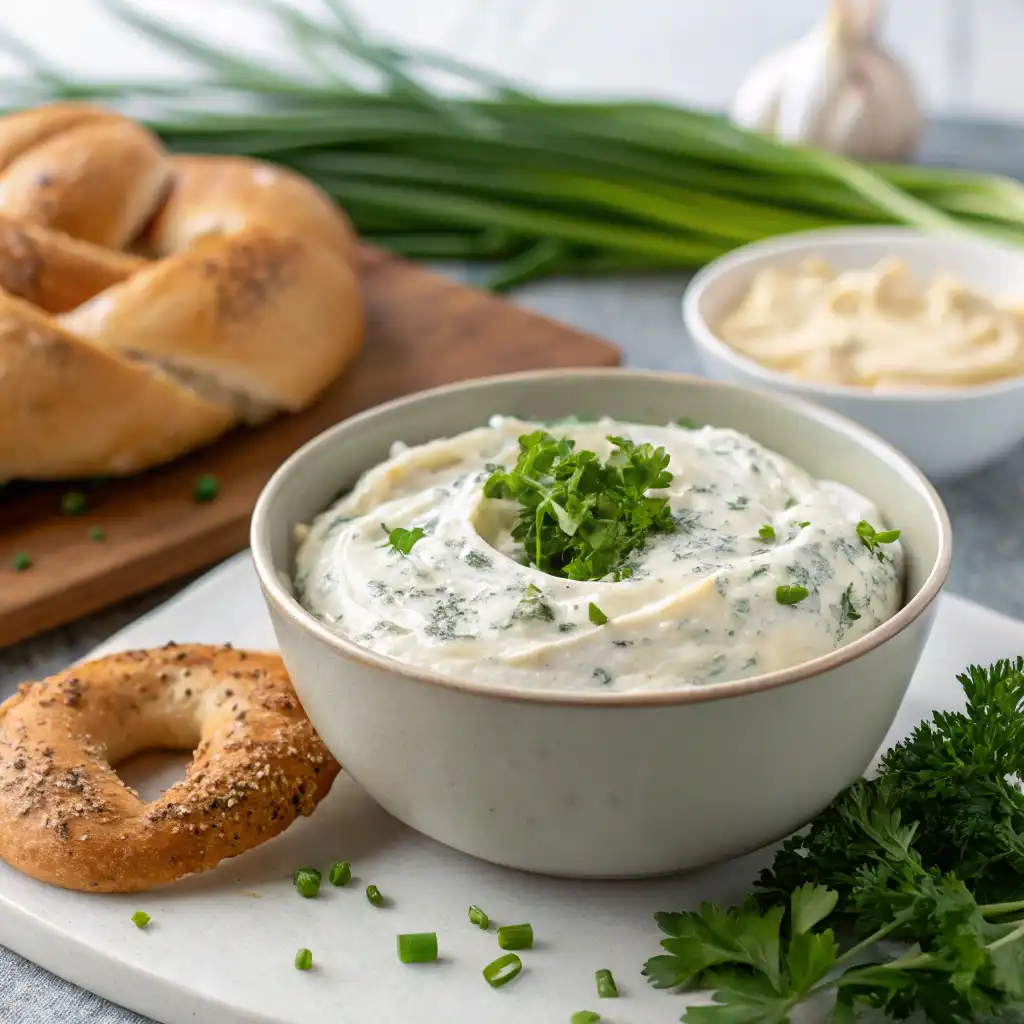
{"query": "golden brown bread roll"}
[(237, 296)]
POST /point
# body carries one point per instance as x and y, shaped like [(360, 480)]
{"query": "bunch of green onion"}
[(490, 172)]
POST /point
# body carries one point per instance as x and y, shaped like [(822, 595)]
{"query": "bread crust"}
[(68, 820), (186, 295)]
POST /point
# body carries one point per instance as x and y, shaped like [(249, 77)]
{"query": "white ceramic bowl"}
[(946, 431), (626, 784)]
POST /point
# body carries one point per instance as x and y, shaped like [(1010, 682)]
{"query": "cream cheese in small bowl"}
[(919, 337), (458, 683)]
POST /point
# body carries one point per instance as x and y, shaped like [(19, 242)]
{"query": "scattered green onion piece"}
[(804, 524), (597, 617), (340, 873), (501, 971), (303, 960), (20, 561), (140, 919), (97, 533), (373, 894), (417, 948), (72, 503), (515, 936), (479, 918), (767, 532), (307, 881), (790, 595), (585, 1017), (606, 987), (206, 488)]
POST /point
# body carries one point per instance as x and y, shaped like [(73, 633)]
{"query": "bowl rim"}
[(736, 259), (286, 604)]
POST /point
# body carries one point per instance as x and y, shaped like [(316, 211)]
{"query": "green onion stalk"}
[(487, 171)]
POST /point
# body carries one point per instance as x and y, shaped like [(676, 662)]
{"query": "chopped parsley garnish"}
[(848, 611), (20, 561), (767, 532), (303, 960), (400, 540), (597, 617), (140, 919), (791, 503), (602, 675), (206, 488), (533, 606), (340, 873), (793, 594), (307, 882), (903, 899), (803, 525), (97, 533), (580, 518), (739, 504), (72, 503), (871, 538)]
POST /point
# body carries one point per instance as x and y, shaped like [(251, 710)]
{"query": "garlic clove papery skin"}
[(836, 88)]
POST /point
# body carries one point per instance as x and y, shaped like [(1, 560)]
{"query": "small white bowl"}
[(946, 431), (621, 784)]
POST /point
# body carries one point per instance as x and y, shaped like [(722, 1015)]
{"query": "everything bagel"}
[(67, 819), (149, 303)]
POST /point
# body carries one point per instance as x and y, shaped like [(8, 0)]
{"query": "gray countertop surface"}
[(641, 315)]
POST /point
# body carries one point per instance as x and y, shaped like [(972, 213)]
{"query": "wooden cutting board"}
[(422, 331)]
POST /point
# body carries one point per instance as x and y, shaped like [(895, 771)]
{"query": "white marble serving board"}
[(220, 947)]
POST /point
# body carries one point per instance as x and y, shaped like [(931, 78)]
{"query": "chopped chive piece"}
[(97, 533), (373, 894), (597, 617), (20, 561), (515, 936), (303, 960), (206, 488), (792, 503), (585, 1017), (766, 532), (501, 971), (72, 503), (606, 987), (307, 881), (340, 873), (479, 918), (402, 541), (804, 524), (140, 919), (687, 424), (790, 595), (417, 948)]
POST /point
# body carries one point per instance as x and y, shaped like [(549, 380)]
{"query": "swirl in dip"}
[(703, 603)]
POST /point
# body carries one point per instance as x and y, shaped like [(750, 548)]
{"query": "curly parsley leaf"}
[(908, 856), (400, 540), (580, 518)]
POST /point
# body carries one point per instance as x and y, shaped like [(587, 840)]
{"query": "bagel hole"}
[(151, 772)]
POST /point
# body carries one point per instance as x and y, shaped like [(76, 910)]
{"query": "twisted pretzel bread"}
[(148, 303)]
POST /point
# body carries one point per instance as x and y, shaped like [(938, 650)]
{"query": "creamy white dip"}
[(700, 606), (879, 327)]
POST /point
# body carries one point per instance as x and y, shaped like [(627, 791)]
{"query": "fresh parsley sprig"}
[(580, 518), (400, 540), (929, 853)]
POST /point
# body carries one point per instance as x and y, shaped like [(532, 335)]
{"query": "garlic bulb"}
[(837, 88)]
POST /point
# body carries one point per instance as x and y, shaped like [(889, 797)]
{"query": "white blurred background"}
[(967, 56)]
